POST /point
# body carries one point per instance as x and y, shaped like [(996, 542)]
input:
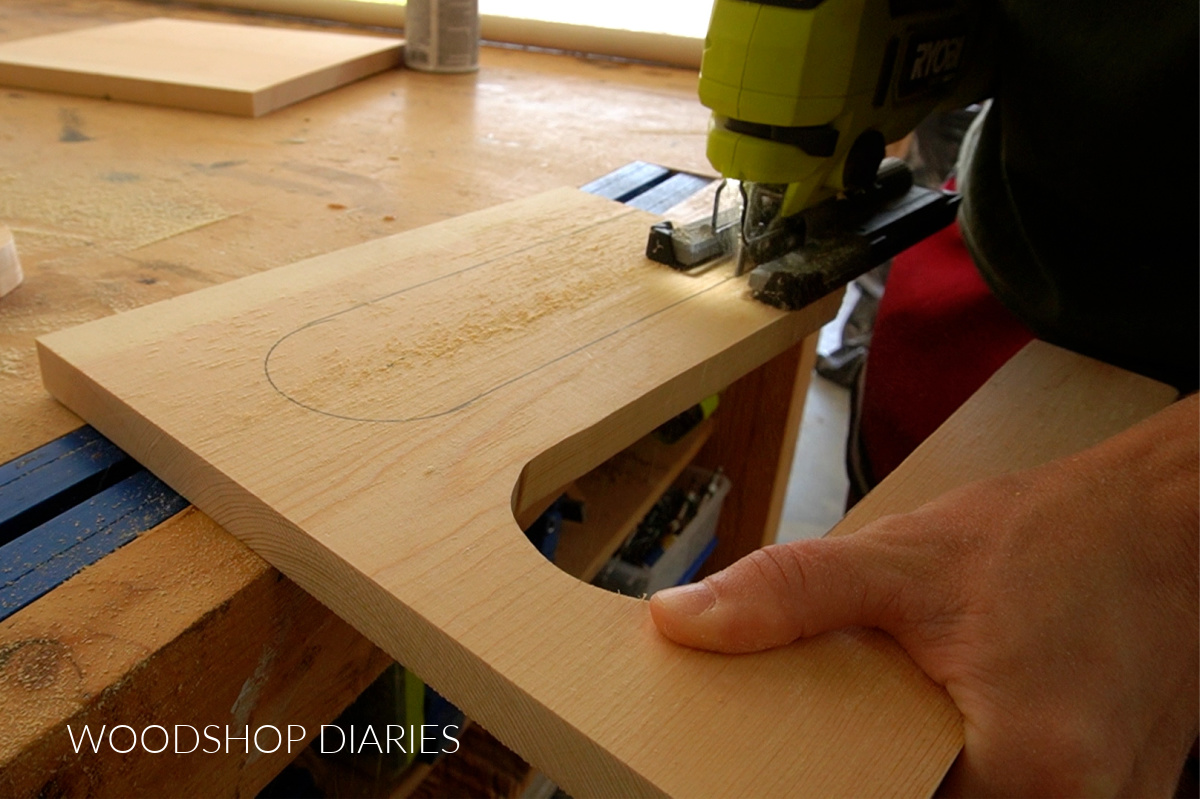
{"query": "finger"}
[(781, 593)]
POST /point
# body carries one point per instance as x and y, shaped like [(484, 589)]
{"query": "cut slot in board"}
[(619, 492)]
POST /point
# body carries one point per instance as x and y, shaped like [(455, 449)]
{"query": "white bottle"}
[(442, 35)]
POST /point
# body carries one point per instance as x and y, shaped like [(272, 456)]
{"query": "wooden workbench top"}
[(115, 205)]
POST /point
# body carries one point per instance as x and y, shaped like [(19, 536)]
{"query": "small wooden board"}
[(246, 70), (369, 421)]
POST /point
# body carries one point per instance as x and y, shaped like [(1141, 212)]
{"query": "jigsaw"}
[(805, 96)]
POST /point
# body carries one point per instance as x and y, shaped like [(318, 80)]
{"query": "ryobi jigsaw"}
[(805, 95)]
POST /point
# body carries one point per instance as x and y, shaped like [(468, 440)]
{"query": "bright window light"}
[(677, 17)]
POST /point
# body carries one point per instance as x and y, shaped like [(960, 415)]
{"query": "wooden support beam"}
[(756, 449)]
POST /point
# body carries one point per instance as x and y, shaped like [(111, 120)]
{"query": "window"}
[(668, 31)]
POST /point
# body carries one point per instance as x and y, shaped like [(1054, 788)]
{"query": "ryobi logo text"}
[(931, 60), (934, 58)]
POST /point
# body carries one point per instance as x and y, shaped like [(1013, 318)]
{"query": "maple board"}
[(247, 70), (369, 422)]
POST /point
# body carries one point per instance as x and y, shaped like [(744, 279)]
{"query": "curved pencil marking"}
[(378, 376)]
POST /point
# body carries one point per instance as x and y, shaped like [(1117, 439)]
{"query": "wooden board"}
[(757, 453), (558, 345), (1045, 403), (246, 70), (370, 420)]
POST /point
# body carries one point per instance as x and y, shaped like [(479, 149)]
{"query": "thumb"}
[(780, 593)]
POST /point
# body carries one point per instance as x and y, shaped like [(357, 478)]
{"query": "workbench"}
[(115, 205)]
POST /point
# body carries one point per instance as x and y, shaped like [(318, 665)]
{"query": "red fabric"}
[(939, 335)]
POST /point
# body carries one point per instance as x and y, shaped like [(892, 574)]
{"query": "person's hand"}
[(1058, 606)]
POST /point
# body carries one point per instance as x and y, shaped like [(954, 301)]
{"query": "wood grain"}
[(205, 66)]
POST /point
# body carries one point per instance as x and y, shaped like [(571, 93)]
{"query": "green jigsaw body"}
[(807, 92)]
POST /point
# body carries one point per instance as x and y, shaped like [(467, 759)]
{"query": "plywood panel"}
[(207, 66)]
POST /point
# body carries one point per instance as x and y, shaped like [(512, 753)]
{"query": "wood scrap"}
[(246, 70)]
